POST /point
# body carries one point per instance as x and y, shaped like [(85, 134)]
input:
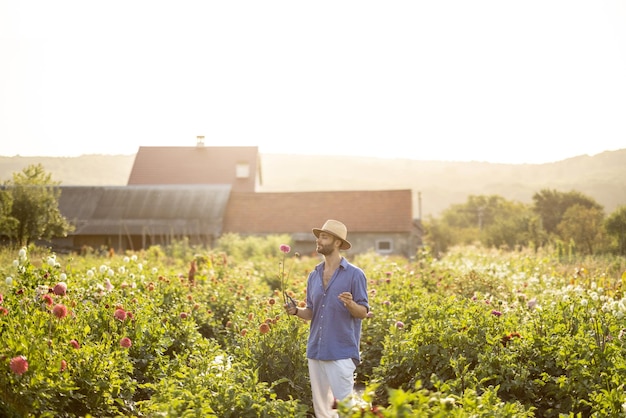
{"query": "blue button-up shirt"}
[(335, 334)]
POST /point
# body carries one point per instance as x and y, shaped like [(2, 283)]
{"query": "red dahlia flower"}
[(47, 299)]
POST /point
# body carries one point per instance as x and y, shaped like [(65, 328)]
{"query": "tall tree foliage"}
[(492, 220), (554, 217), (615, 226), (583, 226), (8, 224), (34, 207), (509, 225), (438, 236), (551, 206)]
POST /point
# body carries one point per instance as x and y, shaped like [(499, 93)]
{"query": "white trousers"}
[(330, 380)]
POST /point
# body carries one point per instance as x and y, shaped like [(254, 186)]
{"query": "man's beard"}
[(324, 249)]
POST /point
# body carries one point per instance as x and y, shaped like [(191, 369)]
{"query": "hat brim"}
[(345, 244)]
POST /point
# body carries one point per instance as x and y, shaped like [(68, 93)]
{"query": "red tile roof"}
[(195, 165), (361, 211)]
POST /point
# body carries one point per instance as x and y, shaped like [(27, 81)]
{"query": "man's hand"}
[(346, 299), (291, 308)]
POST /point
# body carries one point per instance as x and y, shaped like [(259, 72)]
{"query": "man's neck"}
[(333, 260)]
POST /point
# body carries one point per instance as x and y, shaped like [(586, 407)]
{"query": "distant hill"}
[(86, 170), (440, 184)]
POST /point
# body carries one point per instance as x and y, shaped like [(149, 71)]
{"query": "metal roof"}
[(145, 209)]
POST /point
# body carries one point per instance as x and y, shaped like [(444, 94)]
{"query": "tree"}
[(493, 220), (583, 226), (551, 206), (536, 236), (438, 236), (508, 226), (615, 226), (8, 224), (35, 206)]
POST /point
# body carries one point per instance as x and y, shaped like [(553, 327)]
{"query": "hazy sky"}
[(502, 81)]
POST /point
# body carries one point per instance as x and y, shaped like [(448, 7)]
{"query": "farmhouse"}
[(200, 193)]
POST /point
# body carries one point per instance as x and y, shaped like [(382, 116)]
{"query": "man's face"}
[(325, 243)]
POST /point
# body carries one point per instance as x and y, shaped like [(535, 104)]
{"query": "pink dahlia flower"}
[(126, 342), (60, 311), (19, 365), (60, 289), (120, 314)]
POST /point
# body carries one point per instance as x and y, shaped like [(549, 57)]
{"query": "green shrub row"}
[(184, 331)]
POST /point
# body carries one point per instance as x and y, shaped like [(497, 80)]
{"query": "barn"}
[(199, 193)]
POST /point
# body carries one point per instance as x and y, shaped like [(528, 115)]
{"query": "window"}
[(384, 246), (242, 170)]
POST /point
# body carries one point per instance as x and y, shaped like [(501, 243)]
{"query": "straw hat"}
[(336, 229)]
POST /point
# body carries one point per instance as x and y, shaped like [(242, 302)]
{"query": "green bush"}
[(197, 332)]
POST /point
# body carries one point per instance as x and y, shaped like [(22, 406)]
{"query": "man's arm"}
[(356, 310)]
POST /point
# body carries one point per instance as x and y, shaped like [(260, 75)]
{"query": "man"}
[(336, 303)]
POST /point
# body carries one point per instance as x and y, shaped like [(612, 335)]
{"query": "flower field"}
[(190, 332)]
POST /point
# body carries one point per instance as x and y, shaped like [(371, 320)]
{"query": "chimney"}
[(200, 141)]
